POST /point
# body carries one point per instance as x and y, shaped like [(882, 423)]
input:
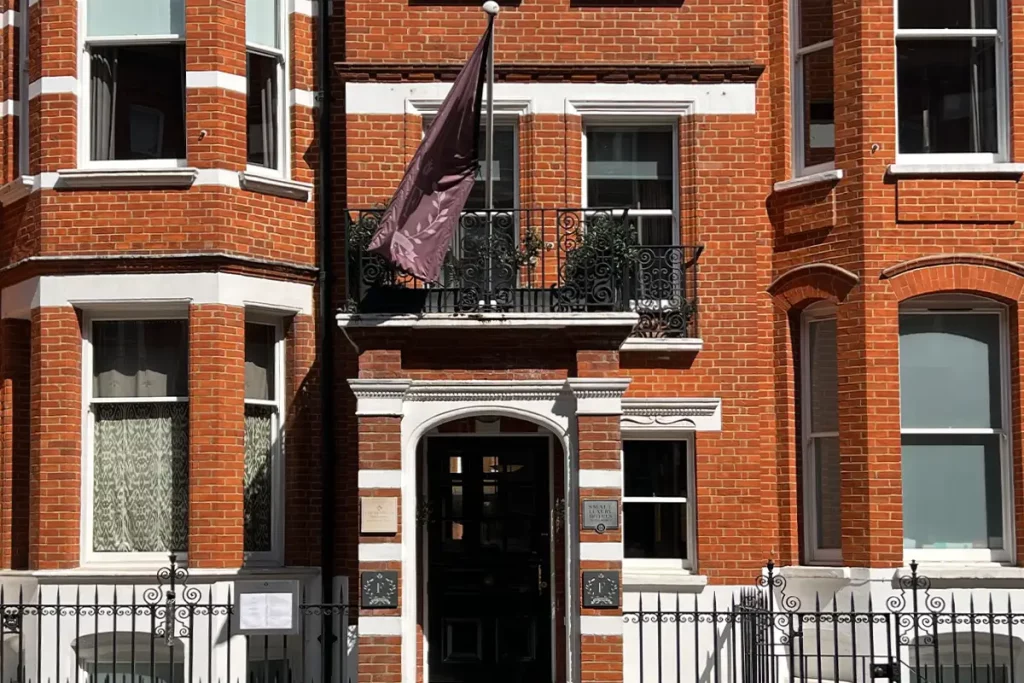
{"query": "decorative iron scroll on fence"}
[(172, 632), (900, 630)]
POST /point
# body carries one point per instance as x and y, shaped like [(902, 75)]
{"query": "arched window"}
[(819, 389), (126, 657), (954, 415)]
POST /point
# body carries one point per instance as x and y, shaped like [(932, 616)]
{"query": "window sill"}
[(825, 177), (665, 345), (17, 189), (278, 187), (662, 579), (976, 574), (1010, 171), (109, 179)]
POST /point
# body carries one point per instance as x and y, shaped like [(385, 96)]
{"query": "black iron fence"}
[(777, 632), (535, 261), (173, 632)]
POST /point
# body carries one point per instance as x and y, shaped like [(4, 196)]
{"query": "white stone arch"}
[(423, 405), (429, 404)]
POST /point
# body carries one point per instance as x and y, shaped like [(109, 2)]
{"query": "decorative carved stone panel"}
[(379, 590), (601, 590)]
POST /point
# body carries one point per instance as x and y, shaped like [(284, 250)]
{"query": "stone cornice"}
[(382, 397), (741, 72), (671, 414), (486, 390), (599, 395)]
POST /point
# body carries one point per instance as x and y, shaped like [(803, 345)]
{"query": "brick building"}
[(747, 291)]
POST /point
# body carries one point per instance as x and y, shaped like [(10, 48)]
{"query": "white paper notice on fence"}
[(266, 611)]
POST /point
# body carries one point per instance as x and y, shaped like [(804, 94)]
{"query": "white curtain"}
[(140, 489), (259, 424)]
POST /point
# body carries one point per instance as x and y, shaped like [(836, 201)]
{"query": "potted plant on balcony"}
[(598, 263)]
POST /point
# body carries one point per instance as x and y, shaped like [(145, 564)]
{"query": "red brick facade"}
[(865, 241)]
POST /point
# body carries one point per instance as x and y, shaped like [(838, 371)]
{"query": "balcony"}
[(533, 263)]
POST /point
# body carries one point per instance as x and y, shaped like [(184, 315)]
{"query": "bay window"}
[(137, 420), (955, 430), (657, 504), (952, 82), (134, 94), (266, 110), (819, 391), (263, 449)]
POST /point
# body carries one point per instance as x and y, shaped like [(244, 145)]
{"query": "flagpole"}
[(492, 10)]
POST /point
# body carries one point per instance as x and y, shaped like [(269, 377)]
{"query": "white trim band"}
[(9, 18), (600, 479), (216, 79), (628, 99), (9, 108), (380, 479), (302, 98), (602, 552), (380, 552), (95, 291), (380, 626), (53, 85), (306, 8), (596, 626)]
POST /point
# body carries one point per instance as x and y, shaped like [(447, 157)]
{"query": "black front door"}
[(489, 602)]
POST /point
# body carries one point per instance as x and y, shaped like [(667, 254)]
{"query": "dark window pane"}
[(259, 361), (262, 110), (948, 14), (947, 96), (818, 114), (503, 169), (655, 468), (140, 358), (815, 21), (654, 530), (138, 102), (952, 491), (630, 168)]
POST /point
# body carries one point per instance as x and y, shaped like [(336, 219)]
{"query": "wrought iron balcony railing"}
[(535, 261)]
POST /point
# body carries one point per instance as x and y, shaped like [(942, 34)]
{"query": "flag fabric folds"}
[(416, 229)]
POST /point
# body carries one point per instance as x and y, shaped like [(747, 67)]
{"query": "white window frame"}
[(1002, 88), (283, 66), (973, 305), (90, 557), (625, 123), (23, 79), (683, 564), (814, 313), (275, 557), (799, 55), (503, 120), (85, 45)]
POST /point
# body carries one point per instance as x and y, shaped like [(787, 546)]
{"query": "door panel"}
[(489, 602)]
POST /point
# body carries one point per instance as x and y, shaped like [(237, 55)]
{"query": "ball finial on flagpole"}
[(491, 7)]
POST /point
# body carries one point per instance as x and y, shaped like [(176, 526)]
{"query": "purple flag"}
[(416, 229)]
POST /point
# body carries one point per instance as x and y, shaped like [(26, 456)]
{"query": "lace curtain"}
[(140, 497), (259, 422)]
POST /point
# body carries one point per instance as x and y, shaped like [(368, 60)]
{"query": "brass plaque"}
[(379, 515)]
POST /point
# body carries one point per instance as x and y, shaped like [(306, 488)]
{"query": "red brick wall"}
[(216, 435), (55, 428)]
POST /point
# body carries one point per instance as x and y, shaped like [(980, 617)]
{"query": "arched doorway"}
[(488, 547)]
